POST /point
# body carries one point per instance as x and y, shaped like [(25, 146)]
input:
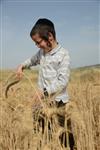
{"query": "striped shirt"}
[(54, 71)]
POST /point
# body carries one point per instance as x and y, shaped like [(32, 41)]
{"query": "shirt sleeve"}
[(33, 61), (63, 73)]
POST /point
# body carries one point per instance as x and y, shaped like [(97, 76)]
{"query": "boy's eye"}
[(38, 42)]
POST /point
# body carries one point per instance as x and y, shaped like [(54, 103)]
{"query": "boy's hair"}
[(43, 27)]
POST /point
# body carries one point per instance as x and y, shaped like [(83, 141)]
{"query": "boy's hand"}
[(19, 72)]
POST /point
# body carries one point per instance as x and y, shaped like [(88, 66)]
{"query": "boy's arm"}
[(33, 61), (27, 64), (63, 74)]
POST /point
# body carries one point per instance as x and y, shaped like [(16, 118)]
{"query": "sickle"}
[(9, 85)]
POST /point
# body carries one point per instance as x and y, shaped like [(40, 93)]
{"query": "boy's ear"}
[(50, 36)]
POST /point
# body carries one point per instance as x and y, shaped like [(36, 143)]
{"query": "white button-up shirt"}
[(54, 71)]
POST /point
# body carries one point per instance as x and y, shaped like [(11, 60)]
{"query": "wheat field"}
[(27, 125)]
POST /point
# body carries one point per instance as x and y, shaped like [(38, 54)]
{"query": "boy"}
[(54, 63)]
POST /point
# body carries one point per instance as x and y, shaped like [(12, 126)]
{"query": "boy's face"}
[(41, 43)]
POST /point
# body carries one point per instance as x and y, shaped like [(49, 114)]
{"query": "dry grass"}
[(18, 131)]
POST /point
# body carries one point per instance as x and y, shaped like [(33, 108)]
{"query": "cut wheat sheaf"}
[(26, 125)]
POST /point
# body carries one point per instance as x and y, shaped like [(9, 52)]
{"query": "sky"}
[(76, 23)]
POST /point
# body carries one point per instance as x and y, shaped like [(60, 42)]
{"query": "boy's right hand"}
[(19, 72)]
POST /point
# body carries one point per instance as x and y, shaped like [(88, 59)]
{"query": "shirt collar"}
[(53, 51)]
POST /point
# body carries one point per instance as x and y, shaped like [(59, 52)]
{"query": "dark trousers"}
[(61, 121)]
